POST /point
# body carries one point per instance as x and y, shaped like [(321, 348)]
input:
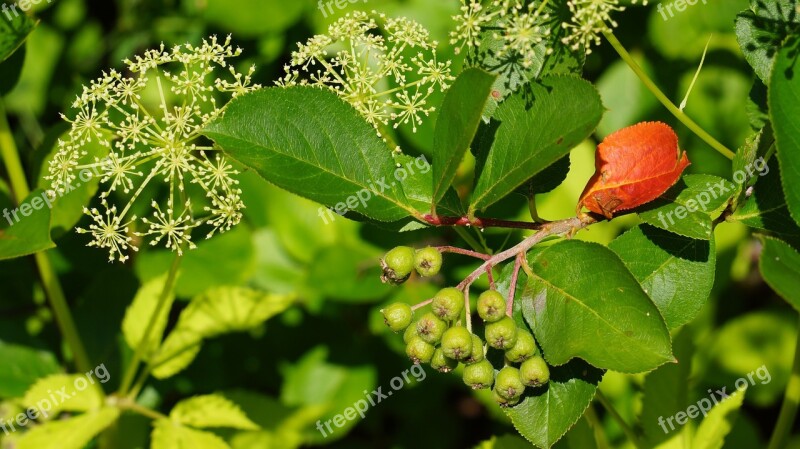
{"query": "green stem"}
[(651, 86), (618, 418), (791, 400), (49, 279), (138, 353), (128, 404), (597, 428)]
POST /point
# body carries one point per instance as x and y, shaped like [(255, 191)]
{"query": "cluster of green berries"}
[(438, 338), (398, 263)]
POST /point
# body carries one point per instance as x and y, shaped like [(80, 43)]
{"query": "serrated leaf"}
[(211, 411), (169, 435), (534, 128), (581, 294), (761, 31), (784, 105), (72, 433), (26, 234), (21, 367), (780, 266), (765, 208), (142, 311), (747, 161), (633, 166), (219, 311), (666, 391), (15, 26), (310, 142), (547, 413), (676, 272), (458, 121), (718, 423), (690, 207), (64, 393), (546, 180)]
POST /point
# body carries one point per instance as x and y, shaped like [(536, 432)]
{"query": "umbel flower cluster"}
[(521, 25), (387, 77), (146, 145)]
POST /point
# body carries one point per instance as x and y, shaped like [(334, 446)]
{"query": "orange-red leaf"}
[(633, 166)]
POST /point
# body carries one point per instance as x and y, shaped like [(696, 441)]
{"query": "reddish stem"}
[(465, 252), (512, 290), (421, 305), (481, 222), (491, 277)]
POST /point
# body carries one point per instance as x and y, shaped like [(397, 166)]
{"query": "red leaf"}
[(633, 166)]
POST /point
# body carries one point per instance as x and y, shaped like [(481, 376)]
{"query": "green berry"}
[(503, 401), (509, 383), (448, 303), (502, 334), (411, 331), (428, 261), (397, 265), (479, 375), (397, 316), (534, 372), (491, 306), (430, 328), (440, 362), (419, 351), (476, 355), (523, 349), (457, 343)]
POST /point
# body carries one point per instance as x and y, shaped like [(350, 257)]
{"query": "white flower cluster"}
[(371, 71), (161, 143), (590, 19)]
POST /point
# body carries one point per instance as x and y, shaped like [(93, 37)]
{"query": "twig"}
[(480, 223), (464, 252), (512, 290)]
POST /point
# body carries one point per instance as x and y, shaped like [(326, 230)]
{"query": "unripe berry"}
[(508, 383), (428, 261), (491, 306), (419, 351), (448, 303), (502, 334), (534, 372), (457, 343), (430, 328), (479, 375), (397, 265), (523, 349), (411, 331), (441, 362), (476, 355), (397, 316), (503, 401)]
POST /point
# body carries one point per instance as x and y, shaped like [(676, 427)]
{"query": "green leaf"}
[(72, 433), (10, 71), (666, 391), (534, 129), (169, 435), (581, 294), (780, 267), (784, 102), (29, 227), (747, 161), (690, 207), (676, 272), (15, 26), (310, 142), (765, 208), (64, 392), (547, 179), (548, 412), (762, 29), (211, 411), (219, 311), (21, 367), (458, 121), (718, 423), (504, 442), (253, 18), (142, 310)]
